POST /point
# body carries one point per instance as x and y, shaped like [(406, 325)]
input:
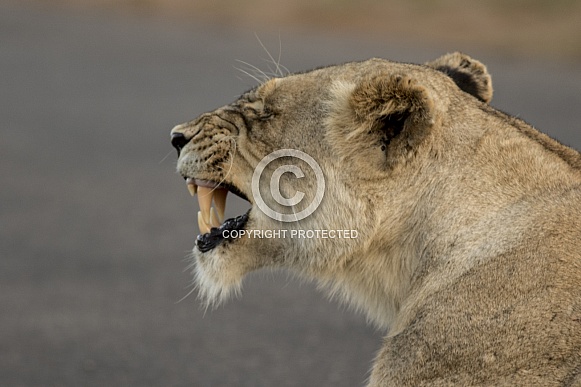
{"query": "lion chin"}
[(453, 226)]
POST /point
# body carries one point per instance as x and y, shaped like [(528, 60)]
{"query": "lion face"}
[(363, 124)]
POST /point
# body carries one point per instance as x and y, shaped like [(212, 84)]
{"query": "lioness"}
[(456, 227)]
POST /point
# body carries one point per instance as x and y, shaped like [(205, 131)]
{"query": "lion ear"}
[(397, 105), (469, 74)]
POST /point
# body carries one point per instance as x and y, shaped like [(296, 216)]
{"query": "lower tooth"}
[(214, 222), (204, 228)]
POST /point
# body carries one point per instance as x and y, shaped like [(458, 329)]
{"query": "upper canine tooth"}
[(220, 201), (205, 200), (192, 188), (204, 228)]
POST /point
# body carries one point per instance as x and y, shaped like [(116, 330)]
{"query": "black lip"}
[(209, 241)]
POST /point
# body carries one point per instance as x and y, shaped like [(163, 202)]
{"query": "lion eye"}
[(265, 114), (258, 110)]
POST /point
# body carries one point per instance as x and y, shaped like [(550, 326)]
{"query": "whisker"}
[(270, 69), (265, 75), (268, 53), (279, 55), (194, 288), (231, 161), (287, 71), (166, 156), (250, 75)]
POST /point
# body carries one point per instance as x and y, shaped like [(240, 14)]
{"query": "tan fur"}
[(469, 221), (469, 74)]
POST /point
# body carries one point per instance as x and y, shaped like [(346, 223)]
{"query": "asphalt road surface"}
[(95, 225)]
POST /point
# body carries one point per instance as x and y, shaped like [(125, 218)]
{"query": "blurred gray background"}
[(95, 225)]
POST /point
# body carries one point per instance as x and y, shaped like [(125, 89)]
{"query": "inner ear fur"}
[(397, 105), (470, 75)]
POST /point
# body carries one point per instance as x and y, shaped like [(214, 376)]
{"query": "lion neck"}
[(451, 216)]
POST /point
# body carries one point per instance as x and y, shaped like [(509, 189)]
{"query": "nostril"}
[(178, 140)]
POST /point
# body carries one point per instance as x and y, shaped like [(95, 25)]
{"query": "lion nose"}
[(179, 140)]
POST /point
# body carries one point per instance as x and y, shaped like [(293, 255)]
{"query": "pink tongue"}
[(203, 183)]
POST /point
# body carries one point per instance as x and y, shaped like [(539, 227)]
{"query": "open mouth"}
[(211, 218)]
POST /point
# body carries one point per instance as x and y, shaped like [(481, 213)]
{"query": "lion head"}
[(362, 134)]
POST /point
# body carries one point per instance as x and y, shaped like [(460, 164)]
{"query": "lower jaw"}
[(208, 241)]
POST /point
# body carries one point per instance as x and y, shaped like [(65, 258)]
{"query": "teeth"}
[(220, 202), (205, 201), (204, 228), (209, 216), (214, 222), (192, 188)]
